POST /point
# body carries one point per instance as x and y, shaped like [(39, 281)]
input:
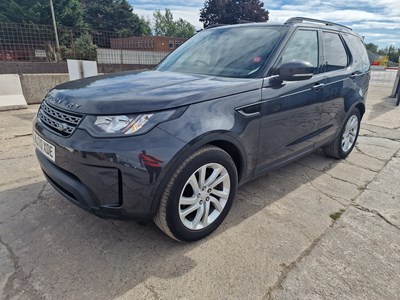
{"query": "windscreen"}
[(230, 52)]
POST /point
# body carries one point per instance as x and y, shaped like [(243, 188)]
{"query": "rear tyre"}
[(346, 140), (198, 196)]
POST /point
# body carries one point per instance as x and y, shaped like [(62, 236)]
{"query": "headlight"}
[(121, 124), (124, 124)]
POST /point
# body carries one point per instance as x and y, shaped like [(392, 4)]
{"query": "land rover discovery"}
[(172, 144)]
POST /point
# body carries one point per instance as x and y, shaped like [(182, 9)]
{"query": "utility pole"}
[(55, 27)]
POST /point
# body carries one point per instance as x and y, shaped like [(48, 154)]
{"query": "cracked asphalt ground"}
[(278, 242)]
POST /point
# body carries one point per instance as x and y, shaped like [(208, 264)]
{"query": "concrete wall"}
[(13, 67), (17, 67), (36, 86), (11, 96)]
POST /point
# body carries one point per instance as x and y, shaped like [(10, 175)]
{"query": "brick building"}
[(148, 43)]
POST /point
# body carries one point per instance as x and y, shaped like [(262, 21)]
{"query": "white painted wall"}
[(117, 56), (11, 96)]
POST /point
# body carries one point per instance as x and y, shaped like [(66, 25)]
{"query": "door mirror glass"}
[(295, 70)]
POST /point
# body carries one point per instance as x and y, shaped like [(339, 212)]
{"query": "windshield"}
[(231, 52)]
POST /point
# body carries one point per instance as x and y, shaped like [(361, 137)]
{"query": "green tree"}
[(396, 56), (372, 47), (68, 12), (232, 12), (145, 26), (81, 48), (115, 16), (393, 54), (32, 14), (184, 29), (11, 11), (164, 25)]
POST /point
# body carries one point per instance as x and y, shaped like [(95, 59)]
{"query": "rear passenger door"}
[(338, 83)]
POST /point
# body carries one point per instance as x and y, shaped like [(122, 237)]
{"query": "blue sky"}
[(377, 20)]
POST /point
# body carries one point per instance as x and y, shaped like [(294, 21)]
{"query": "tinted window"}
[(225, 51), (334, 52), (359, 47), (303, 46)]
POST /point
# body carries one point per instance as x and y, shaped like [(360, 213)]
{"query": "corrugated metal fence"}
[(383, 77), (37, 44), (135, 57)]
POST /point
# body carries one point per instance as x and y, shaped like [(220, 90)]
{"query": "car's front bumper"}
[(105, 176)]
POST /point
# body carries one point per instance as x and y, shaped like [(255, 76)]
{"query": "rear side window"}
[(334, 52), (303, 46), (359, 47)]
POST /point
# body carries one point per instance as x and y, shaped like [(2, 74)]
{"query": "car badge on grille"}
[(67, 104), (61, 127)]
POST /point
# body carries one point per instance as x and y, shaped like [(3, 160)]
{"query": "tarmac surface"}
[(318, 228)]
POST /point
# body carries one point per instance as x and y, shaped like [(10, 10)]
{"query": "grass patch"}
[(337, 214)]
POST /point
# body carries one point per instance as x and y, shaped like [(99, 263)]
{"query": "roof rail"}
[(214, 25), (301, 20), (245, 21)]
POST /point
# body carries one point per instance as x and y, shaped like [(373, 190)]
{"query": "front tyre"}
[(198, 196), (346, 140)]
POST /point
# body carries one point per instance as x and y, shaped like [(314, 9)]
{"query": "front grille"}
[(57, 120)]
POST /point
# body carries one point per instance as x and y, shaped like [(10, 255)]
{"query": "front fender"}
[(223, 139)]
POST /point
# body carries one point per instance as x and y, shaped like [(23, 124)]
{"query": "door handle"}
[(316, 87), (354, 75)]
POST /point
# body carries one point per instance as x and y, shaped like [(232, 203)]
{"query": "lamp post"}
[(55, 27)]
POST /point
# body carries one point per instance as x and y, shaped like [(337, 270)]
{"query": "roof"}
[(297, 21), (294, 22)]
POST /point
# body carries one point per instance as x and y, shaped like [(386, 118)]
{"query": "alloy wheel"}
[(204, 196), (350, 133)]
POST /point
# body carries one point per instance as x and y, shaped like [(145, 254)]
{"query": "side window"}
[(358, 45), (334, 51), (303, 46)]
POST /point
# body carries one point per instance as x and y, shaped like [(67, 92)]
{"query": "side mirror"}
[(296, 70)]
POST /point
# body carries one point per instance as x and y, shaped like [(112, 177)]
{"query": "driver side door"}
[(291, 111)]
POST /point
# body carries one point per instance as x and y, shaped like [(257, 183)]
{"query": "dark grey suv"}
[(173, 144)]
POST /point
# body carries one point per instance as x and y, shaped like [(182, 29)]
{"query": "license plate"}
[(45, 147)]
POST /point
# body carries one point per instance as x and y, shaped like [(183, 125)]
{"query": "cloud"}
[(377, 20), (159, 4), (340, 16), (377, 25), (386, 42), (187, 10), (373, 34), (387, 8)]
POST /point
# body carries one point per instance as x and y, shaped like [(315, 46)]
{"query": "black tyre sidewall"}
[(173, 220), (343, 154)]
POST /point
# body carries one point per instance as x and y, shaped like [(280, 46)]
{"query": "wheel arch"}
[(222, 139), (361, 108), (233, 152)]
